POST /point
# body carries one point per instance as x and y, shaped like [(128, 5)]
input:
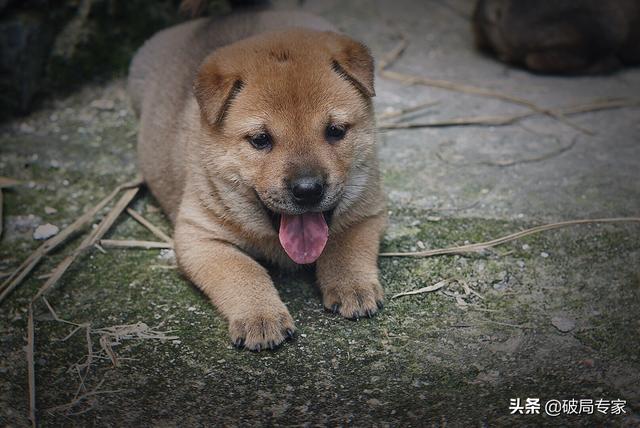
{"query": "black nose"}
[(307, 190)]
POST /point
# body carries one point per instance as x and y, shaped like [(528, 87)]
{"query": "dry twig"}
[(431, 288), (56, 318), (402, 112), (30, 262), (109, 336), (388, 59), (596, 105), (511, 162), (152, 228), (79, 399), (89, 240), (506, 324), (139, 330), (132, 243), (88, 362), (472, 248), (105, 344), (31, 368)]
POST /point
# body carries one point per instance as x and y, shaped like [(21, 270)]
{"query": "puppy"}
[(257, 137), (560, 36)]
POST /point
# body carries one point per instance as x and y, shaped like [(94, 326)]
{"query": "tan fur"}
[(201, 88)]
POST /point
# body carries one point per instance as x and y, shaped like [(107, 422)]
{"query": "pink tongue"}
[(303, 236)]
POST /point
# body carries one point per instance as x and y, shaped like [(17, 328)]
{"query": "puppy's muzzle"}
[(307, 190)]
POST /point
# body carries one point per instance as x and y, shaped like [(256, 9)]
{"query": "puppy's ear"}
[(214, 90), (353, 61)]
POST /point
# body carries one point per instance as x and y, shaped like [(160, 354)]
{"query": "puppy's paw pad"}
[(260, 331)]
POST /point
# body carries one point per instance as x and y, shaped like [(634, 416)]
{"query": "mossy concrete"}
[(441, 358)]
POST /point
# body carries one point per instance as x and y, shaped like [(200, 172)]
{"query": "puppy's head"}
[(291, 117)]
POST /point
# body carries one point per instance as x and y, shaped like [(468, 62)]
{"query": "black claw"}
[(290, 334), (239, 343), (335, 308), (257, 348), (272, 345), (368, 313), (380, 304), (355, 316)]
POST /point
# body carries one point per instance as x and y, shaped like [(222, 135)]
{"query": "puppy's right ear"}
[(214, 90)]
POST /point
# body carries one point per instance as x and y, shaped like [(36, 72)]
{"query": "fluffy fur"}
[(202, 88)]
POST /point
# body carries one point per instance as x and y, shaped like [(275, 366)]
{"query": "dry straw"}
[(480, 246)]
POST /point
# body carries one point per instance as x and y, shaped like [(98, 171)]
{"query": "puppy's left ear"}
[(353, 61)]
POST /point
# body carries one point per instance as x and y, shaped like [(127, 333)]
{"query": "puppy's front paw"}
[(263, 328), (354, 301)]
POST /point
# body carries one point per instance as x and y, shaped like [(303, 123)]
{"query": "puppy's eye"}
[(335, 132), (261, 141)]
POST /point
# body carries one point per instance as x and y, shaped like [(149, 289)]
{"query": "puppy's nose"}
[(307, 190)]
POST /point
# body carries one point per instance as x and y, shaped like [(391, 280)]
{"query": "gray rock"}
[(45, 231), (50, 210), (563, 323)]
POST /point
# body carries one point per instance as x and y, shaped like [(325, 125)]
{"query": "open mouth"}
[(275, 217), (302, 236)]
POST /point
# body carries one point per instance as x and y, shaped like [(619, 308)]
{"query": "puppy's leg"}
[(347, 271), (238, 285)]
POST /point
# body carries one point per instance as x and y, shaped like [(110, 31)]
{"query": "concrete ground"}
[(551, 316)]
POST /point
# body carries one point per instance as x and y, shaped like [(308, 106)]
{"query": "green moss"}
[(407, 364), (394, 178)]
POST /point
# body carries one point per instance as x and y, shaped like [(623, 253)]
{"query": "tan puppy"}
[(258, 140)]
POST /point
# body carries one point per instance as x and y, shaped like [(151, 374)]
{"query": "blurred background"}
[(52, 47)]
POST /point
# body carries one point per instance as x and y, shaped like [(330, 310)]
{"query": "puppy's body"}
[(560, 36), (253, 76)]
